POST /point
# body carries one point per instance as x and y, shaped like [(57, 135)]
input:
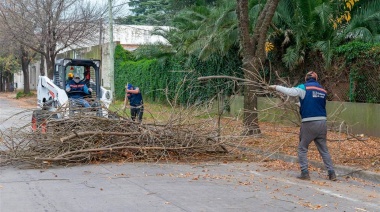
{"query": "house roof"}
[(137, 34)]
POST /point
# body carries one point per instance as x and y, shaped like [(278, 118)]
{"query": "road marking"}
[(318, 189)]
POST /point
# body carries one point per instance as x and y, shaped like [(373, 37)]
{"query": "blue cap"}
[(130, 86)]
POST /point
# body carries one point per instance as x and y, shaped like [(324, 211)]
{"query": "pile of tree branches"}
[(83, 138)]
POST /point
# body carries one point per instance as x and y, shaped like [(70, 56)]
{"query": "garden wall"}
[(361, 118)]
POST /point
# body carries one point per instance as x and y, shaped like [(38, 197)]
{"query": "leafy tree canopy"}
[(157, 12)]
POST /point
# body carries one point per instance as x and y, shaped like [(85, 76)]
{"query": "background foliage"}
[(361, 63), (338, 39), (157, 12), (175, 78), (339, 42)]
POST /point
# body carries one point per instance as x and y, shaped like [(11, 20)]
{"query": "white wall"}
[(136, 35), (105, 78), (19, 80), (34, 73)]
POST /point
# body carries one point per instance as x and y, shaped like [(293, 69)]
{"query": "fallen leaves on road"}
[(344, 149), (311, 206)]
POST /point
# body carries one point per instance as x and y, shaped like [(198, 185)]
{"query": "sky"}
[(123, 4)]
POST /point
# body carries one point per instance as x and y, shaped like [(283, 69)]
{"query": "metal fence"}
[(363, 86)]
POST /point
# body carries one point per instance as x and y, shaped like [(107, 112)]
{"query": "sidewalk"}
[(341, 171)]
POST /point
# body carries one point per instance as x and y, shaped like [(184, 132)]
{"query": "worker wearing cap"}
[(70, 76), (77, 89), (312, 98), (135, 101)]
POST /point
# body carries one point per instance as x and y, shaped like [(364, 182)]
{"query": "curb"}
[(341, 170)]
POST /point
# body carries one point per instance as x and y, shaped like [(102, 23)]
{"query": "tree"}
[(157, 12), (309, 27), (204, 31), (50, 26), (26, 56), (8, 66), (297, 25), (148, 12), (363, 22), (253, 51), (18, 51)]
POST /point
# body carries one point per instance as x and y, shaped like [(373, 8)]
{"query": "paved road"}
[(12, 115), (176, 187)]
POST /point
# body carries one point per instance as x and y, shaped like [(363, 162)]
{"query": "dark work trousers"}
[(317, 131), (137, 111)]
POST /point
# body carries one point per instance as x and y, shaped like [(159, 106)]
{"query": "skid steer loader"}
[(53, 101)]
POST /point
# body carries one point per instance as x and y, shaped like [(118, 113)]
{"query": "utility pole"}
[(111, 47), (101, 49)]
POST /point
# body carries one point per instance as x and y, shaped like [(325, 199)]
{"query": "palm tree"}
[(295, 25), (365, 23), (304, 26), (206, 30)]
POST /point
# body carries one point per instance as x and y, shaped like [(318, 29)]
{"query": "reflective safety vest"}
[(314, 103), (135, 100), (77, 89)]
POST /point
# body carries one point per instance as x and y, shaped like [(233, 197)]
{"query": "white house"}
[(128, 36)]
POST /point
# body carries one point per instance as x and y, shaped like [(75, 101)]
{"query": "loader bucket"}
[(39, 121)]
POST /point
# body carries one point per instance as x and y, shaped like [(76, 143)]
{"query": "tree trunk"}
[(25, 60), (253, 50), (251, 120), (50, 60), (1, 81), (42, 65), (25, 72)]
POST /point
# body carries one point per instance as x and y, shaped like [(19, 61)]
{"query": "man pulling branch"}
[(313, 127)]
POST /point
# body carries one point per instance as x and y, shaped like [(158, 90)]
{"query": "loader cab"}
[(88, 71)]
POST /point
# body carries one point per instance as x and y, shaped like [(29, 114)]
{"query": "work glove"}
[(272, 87), (90, 90)]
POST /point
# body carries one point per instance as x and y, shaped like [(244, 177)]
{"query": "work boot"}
[(304, 175), (332, 175)]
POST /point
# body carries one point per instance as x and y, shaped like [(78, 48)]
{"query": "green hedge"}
[(362, 60), (174, 76)]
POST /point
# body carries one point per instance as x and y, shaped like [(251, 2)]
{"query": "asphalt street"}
[(178, 187), (12, 115), (207, 186)]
